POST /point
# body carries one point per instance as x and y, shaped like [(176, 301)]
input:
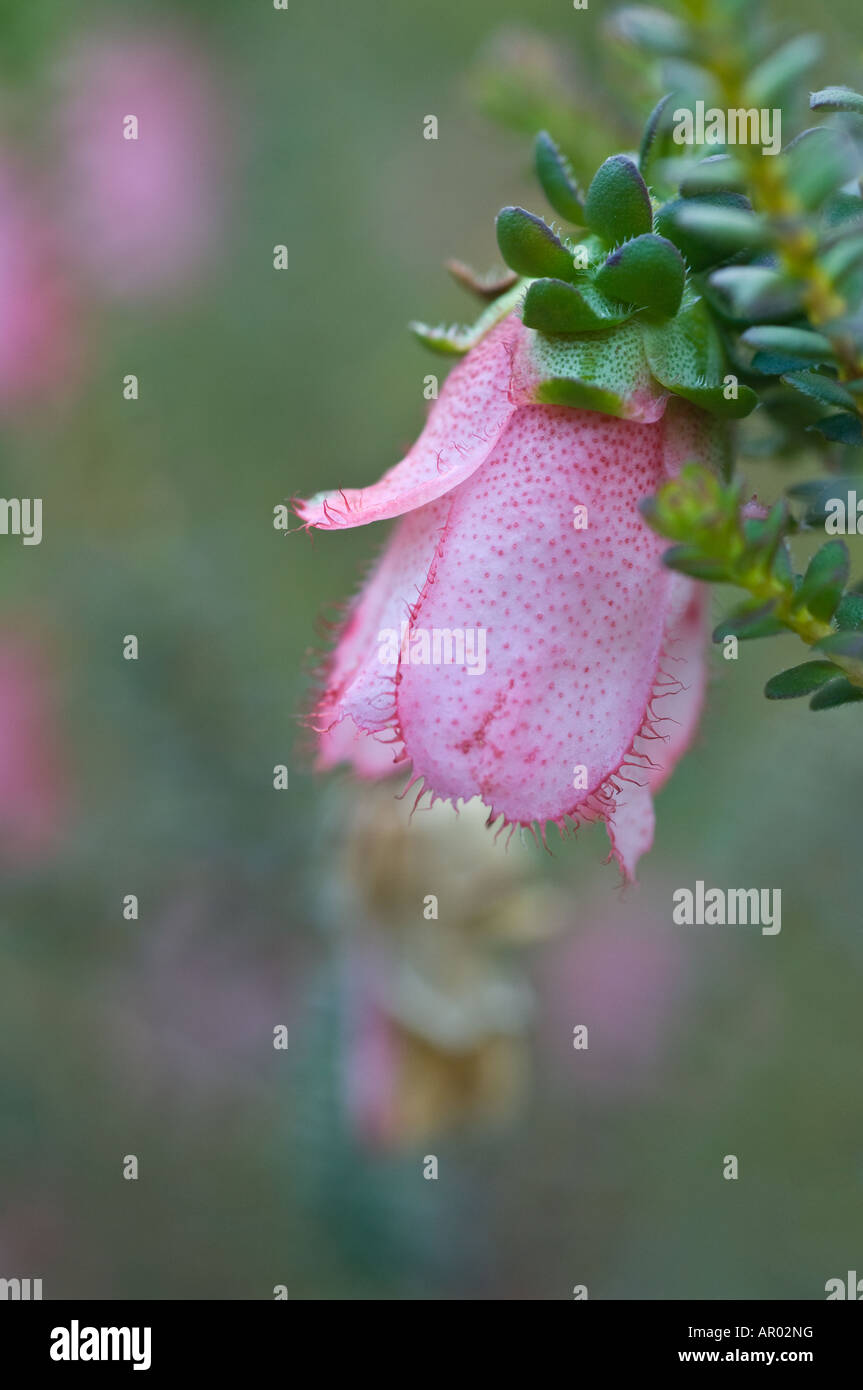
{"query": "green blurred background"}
[(155, 1037)]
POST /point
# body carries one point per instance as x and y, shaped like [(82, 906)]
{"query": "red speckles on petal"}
[(514, 734)]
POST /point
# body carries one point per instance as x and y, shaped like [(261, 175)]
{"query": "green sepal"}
[(602, 371), (553, 306), (451, 341), (647, 271), (799, 680), (824, 581), (558, 182), (835, 693), (530, 247), (580, 395), (618, 206), (685, 356)]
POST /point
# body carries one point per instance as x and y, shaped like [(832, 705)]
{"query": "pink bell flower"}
[(519, 639)]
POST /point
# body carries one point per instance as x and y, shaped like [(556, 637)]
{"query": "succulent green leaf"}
[(837, 99), (824, 581), (844, 428), (796, 343), (717, 173), (647, 271), (799, 680), (835, 693), (750, 621), (530, 247), (651, 30), (618, 206), (818, 161), (688, 559), (824, 389), (727, 229), (651, 130), (553, 306), (701, 249), (558, 182), (772, 79), (842, 259), (755, 293), (849, 614), (847, 643)]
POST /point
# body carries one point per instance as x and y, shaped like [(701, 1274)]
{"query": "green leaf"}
[(769, 82), (755, 293), (842, 259), (701, 249), (799, 680), (820, 492), (843, 428), (798, 343), (618, 206), (530, 247), (688, 559), (824, 581), (837, 692), (552, 306), (817, 163), (849, 615), (823, 389), (651, 130), (749, 621), (837, 99), (726, 229), (557, 179), (717, 173), (846, 643), (651, 30), (648, 271)]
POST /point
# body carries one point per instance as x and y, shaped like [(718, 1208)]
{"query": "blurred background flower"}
[(142, 204)]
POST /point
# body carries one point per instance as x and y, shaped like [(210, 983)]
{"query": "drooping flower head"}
[(519, 639)]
